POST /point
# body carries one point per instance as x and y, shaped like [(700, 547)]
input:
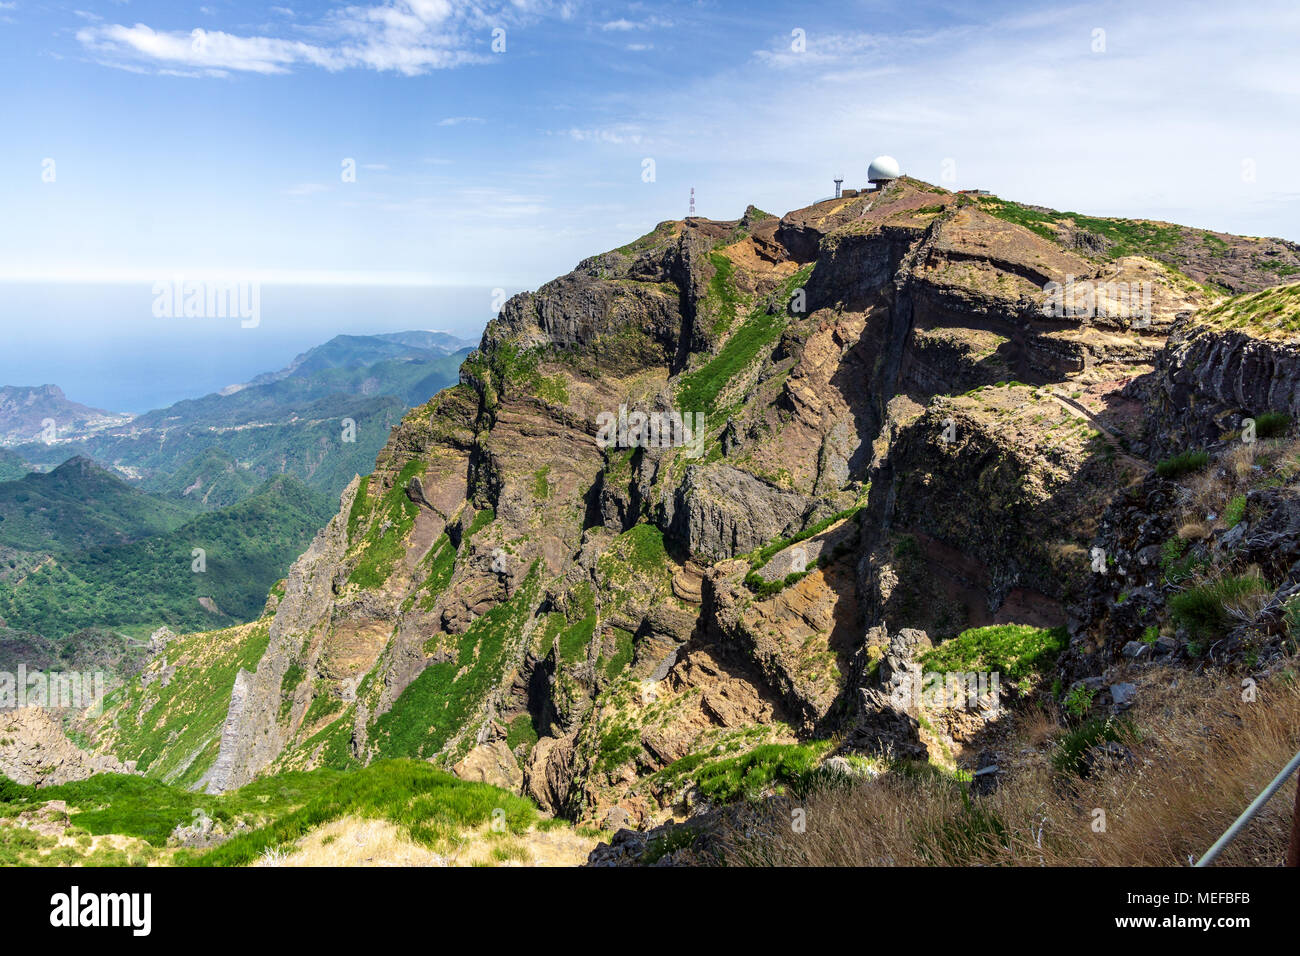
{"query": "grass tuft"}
[(1182, 464)]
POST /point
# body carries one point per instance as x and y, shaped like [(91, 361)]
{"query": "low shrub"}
[(1014, 651), (1235, 513), (1272, 424), (769, 765), (1079, 701), (1182, 464), (1178, 562), (1073, 746), (1206, 609)]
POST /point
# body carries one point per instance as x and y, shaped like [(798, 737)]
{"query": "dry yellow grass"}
[(1203, 755), (1209, 494), (1241, 460), (1194, 530), (355, 841), (52, 840), (1287, 460), (1244, 466)]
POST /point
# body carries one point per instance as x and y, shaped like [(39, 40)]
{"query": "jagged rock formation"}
[(1229, 363), (904, 435), (34, 750), (248, 739)]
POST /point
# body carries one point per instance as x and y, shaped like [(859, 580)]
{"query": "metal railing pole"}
[(1293, 852), (1249, 814)]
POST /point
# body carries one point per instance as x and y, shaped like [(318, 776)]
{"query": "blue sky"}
[(221, 151)]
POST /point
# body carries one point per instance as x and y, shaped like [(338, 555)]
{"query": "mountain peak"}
[(79, 464), (819, 355), (44, 413)]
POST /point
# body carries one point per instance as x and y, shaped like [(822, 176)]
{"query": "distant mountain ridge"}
[(352, 351), (25, 410), (81, 550), (79, 505), (297, 421), (102, 543)]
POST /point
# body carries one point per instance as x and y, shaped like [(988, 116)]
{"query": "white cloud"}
[(1158, 125), (623, 25), (410, 37), (205, 50), (618, 134)]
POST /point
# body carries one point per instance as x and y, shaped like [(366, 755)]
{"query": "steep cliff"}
[(684, 498), (1236, 360)]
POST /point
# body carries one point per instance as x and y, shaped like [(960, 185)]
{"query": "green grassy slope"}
[(79, 505), (152, 581), (429, 806)]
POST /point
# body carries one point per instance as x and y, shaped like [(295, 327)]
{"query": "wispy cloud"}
[(623, 25), (618, 134), (1156, 125), (485, 202), (1154, 117), (410, 37), (213, 52)]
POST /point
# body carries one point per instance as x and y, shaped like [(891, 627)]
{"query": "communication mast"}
[(692, 212)]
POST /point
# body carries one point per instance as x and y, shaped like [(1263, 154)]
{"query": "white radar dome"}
[(883, 168)]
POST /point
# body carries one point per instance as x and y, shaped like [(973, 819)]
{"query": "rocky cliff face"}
[(1235, 361), (905, 431), (1202, 557), (34, 750)]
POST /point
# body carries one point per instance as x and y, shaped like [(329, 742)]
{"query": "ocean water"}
[(105, 347)]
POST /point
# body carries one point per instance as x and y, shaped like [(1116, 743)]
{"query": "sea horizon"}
[(103, 345)]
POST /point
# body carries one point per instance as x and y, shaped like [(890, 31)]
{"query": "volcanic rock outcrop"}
[(905, 434)]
